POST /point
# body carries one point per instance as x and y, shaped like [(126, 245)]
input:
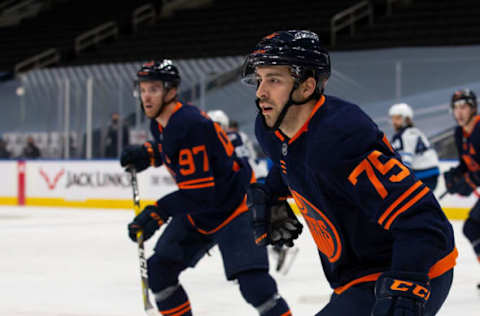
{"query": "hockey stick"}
[(147, 305)]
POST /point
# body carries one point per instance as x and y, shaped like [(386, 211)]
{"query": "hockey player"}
[(464, 178), (412, 145), (209, 207), (385, 245), (244, 149)]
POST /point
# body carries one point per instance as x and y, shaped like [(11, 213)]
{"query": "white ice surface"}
[(71, 262)]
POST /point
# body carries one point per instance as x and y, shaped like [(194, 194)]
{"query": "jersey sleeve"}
[(368, 174), (191, 162)]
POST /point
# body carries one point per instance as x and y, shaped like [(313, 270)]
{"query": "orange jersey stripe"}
[(194, 181), (439, 268), (240, 209), (196, 186), (367, 278), (181, 312), (398, 201), (175, 309), (289, 313), (406, 206), (443, 265)]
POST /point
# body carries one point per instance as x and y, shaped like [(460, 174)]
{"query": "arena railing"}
[(348, 17), (143, 13), (48, 57), (95, 36)]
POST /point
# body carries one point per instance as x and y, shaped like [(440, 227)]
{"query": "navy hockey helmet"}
[(464, 96), (163, 70), (301, 50)]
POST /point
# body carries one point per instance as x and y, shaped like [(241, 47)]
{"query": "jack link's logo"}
[(323, 231), (53, 182)]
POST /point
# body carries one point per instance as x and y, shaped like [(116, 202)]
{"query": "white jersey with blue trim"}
[(415, 149)]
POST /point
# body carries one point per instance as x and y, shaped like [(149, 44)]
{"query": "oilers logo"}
[(321, 228)]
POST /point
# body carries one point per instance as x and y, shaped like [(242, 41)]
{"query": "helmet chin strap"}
[(164, 103), (287, 105)]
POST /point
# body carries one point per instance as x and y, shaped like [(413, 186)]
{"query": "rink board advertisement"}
[(104, 184), (100, 183)]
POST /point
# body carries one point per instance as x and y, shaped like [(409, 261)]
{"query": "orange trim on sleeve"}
[(443, 265), (304, 128), (179, 310), (242, 208), (289, 313), (195, 181), (197, 186), (398, 201), (368, 278), (406, 207), (439, 268)]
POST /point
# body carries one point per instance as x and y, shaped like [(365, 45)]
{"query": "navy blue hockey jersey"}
[(211, 179), (468, 146), (365, 210)]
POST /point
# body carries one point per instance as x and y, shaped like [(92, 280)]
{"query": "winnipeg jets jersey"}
[(416, 152)]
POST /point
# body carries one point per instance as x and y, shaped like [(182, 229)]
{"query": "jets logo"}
[(321, 228)]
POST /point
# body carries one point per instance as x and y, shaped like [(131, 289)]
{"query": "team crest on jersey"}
[(321, 228), (284, 149)]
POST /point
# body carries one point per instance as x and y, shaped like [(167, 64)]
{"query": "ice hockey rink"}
[(79, 262)]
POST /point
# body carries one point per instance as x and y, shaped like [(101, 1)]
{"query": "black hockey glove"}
[(456, 183), (148, 221), (273, 222), (136, 156), (401, 294)]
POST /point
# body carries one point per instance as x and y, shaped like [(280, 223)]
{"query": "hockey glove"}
[(148, 221), (456, 183), (273, 222), (401, 294), (136, 156)]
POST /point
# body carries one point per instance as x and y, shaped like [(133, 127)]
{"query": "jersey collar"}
[(177, 107), (304, 128), (467, 135)]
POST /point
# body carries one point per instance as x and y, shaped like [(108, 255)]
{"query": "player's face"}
[(274, 86), (397, 121), (151, 93), (463, 113)]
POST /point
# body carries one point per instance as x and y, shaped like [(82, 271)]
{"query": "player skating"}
[(210, 206), (385, 245), (412, 145), (465, 178)]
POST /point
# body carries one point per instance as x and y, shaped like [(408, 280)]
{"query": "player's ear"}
[(308, 86)]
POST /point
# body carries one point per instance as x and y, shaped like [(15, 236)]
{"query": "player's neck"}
[(167, 112), (469, 127), (296, 117)]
